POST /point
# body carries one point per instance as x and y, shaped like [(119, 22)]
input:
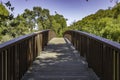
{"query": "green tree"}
[(104, 23)]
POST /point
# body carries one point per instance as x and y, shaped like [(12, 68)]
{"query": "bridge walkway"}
[(59, 61)]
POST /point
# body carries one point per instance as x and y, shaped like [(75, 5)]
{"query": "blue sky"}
[(73, 10)]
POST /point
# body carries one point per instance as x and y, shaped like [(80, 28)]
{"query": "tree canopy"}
[(28, 22), (104, 23)]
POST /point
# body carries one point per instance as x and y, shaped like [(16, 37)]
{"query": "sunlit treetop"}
[(3, 10)]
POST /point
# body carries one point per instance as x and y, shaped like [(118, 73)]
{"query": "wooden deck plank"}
[(59, 61)]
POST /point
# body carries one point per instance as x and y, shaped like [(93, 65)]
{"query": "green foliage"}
[(104, 23), (4, 13), (58, 23), (28, 22), (5, 38), (3, 10)]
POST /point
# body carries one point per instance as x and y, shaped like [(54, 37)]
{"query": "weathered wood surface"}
[(59, 61)]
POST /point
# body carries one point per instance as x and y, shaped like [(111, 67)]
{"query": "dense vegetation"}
[(28, 22), (104, 23)]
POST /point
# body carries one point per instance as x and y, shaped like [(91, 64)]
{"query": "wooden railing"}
[(101, 54), (17, 55)]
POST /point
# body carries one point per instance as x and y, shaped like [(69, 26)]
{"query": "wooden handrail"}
[(101, 54), (17, 55)]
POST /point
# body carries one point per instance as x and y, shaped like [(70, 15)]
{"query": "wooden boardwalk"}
[(59, 61)]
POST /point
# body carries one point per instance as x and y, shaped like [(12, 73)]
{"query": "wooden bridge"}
[(76, 56)]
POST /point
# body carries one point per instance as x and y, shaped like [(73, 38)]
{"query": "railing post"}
[(88, 49), (117, 70), (39, 43), (16, 63), (116, 62), (118, 67), (0, 66), (35, 47)]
